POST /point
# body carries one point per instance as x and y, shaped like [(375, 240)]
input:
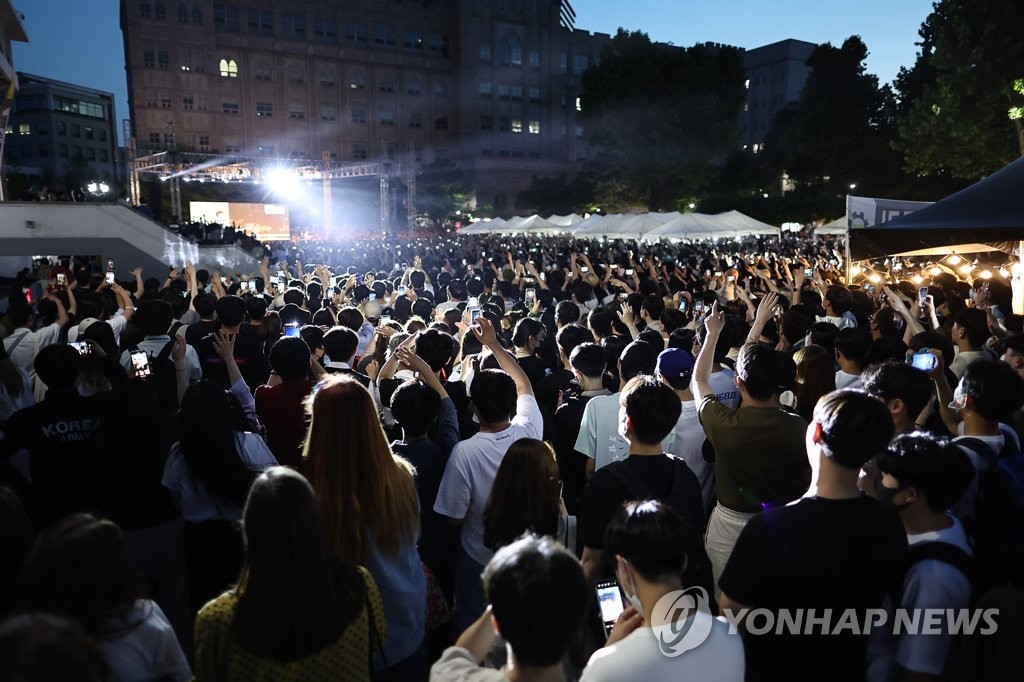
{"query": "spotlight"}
[(954, 259), (935, 271), (917, 279), (986, 274), (854, 270), (966, 268), (875, 278), (283, 181)]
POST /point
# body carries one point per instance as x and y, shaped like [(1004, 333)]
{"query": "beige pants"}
[(724, 528)]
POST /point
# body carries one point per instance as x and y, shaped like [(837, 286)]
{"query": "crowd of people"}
[(395, 461)]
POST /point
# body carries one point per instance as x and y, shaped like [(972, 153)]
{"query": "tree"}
[(960, 103), (661, 116), (441, 189), (839, 132)]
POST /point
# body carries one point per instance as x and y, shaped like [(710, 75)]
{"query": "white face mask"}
[(633, 599)]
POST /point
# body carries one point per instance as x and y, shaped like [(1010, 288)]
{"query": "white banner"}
[(870, 211)]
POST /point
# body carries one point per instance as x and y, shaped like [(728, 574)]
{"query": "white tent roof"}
[(633, 226), (484, 227), (744, 225), (837, 226), (565, 220), (587, 224)]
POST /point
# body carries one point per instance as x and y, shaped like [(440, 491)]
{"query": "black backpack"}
[(998, 524), (163, 378), (938, 551)]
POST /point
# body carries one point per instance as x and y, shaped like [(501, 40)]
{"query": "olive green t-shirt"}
[(760, 458)]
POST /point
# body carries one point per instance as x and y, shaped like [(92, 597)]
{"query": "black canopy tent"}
[(988, 215)]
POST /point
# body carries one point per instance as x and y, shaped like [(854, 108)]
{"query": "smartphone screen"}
[(140, 364), (110, 278), (401, 289), (61, 280), (531, 296), (291, 329), (110, 264), (584, 269), (922, 294), (385, 319), (808, 273), (609, 598), (924, 361), (629, 272), (82, 347), (474, 314)]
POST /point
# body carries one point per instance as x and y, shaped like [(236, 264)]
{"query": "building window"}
[(62, 128), (44, 150), (165, 103), (412, 41), (182, 13), (579, 132), (510, 52), (160, 11), (154, 139), (534, 59), (517, 125), (386, 84), (264, 109), (145, 11), (485, 89), (163, 58), (328, 114), (231, 144), (359, 151), (228, 68), (225, 18), (485, 53), (296, 75), (580, 62), (440, 89), (76, 130), (297, 112), (359, 116), (325, 30), (90, 133), (534, 127), (204, 142), (355, 34), (486, 152), (415, 120), (534, 94), (229, 107), (262, 71), (503, 124), (24, 128), (387, 118), (503, 91), (327, 77), (187, 102), (148, 60), (384, 36), (293, 25), (439, 45), (563, 63), (261, 22), (357, 81), (197, 16), (441, 123), (62, 151), (486, 123), (413, 86), (517, 92)]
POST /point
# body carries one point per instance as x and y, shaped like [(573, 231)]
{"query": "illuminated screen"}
[(268, 221)]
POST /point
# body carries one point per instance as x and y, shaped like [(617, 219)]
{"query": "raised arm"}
[(714, 323), (139, 287), (764, 313), (484, 332)]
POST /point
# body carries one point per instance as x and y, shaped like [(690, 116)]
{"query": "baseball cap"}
[(84, 324), (675, 366)]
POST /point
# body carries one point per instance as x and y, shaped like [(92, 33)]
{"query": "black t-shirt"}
[(605, 494), (535, 369), (547, 388), (252, 363), (814, 554)]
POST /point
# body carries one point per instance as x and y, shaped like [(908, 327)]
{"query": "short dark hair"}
[(582, 291), (651, 536), (853, 343), (840, 298), (855, 427), (654, 305), (588, 360), (205, 305), (351, 317), (892, 380), (600, 321), (567, 312), (230, 310), (637, 358), (572, 335), (256, 308), (538, 596), (415, 406), (340, 343), (435, 347), (763, 370), (57, 366), (153, 317), (974, 322), (494, 395), (997, 391), (652, 337), (653, 408), (19, 314), (289, 357), (938, 468)]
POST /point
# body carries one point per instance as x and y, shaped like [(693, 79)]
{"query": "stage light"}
[(1003, 272), (92, 187), (986, 274), (854, 270), (875, 278), (935, 271), (917, 279), (966, 269), (954, 259), (283, 181)]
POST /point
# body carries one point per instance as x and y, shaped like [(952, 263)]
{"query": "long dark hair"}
[(295, 597), (76, 569), (524, 496), (207, 425)]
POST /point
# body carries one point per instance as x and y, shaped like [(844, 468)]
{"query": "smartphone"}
[(373, 297), (140, 364), (385, 319), (623, 296), (584, 269), (808, 273), (61, 280), (110, 264), (291, 329), (110, 278), (629, 272), (474, 314), (609, 598), (924, 360), (682, 305), (401, 289), (82, 347), (275, 281), (731, 278), (922, 295), (223, 279), (531, 297), (698, 307), (282, 275)]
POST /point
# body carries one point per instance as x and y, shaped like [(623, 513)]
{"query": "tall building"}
[(59, 131), (11, 30), (488, 84), (776, 74)]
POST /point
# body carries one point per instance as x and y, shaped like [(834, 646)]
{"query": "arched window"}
[(228, 68), (413, 86), (357, 81), (197, 16), (262, 71), (145, 11), (161, 13), (182, 13)]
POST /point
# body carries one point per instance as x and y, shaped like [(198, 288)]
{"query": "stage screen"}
[(268, 221)]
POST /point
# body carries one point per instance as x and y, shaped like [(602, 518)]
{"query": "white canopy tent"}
[(674, 225), (565, 220), (837, 226)]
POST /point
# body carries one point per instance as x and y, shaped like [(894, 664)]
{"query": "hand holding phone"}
[(609, 599), (924, 360), (140, 364)]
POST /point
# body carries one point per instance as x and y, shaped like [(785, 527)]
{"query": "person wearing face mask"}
[(921, 476), (648, 543), (528, 337), (838, 549)]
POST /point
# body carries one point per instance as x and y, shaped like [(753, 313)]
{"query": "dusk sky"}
[(79, 41)]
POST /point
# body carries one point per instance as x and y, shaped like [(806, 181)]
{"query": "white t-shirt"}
[(965, 506), (117, 323), (846, 380), (639, 657), (189, 493), (148, 651), (469, 475), (457, 665), (154, 345), (688, 445), (723, 383), (599, 437), (929, 584)]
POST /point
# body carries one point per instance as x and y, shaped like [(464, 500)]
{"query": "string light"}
[(954, 259), (986, 274), (917, 279), (855, 270), (935, 271), (875, 278), (966, 268)]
